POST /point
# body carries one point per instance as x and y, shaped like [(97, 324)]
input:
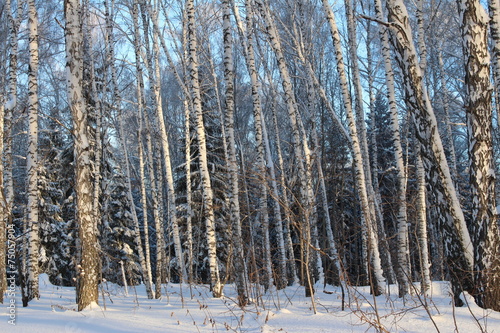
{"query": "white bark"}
[(234, 201), (205, 172), (494, 11), (368, 215), (87, 280), (297, 138), (154, 76), (144, 253), (422, 227), (474, 26), (32, 157), (457, 242), (404, 273)]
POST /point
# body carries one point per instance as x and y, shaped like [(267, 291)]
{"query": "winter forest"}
[(250, 143)]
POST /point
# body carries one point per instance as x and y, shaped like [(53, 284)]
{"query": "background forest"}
[(250, 142)]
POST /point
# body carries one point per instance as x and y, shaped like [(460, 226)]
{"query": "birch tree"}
[(485, 236), (32, 158), (208, 209), (368, 215), (403, 248), (143, 255), (87, 279), (297, 143), (234, 201), (154, 76), (457, 240), (494, 11)]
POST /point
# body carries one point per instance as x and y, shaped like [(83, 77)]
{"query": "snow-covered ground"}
[(194, 310)]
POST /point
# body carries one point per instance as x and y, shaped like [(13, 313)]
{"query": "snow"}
[(283, 311)]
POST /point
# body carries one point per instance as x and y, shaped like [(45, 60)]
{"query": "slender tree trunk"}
[(422, 226), (259, 141), (234, 201), (287, 228), (297, 144), (208, 209), (32, 291), (494, 11), (98, 126), (486, 238), (158, 105), (189, 200), (404, 273), (368, 215), (4, 242), (141, 104), (87, 280)]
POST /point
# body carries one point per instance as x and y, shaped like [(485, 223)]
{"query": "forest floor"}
[(193, 309)]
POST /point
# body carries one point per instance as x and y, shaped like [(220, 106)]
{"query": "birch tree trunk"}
[(157, 104), (287, 228), (208, 209), (32, 157), (368, 215), (403, 247), (87, 33), (87, 280), (458, 246), (10, 106), (143, 254), (450, 144), (155, 182), (259, 142), (6, 189), (297, 144), (494, 11), (240, 270), (246, 37), (422, 226), (4, 242), (486, 239)]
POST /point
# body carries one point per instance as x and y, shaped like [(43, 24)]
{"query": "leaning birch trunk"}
[(297, 143), (233, 197), (458, 246), (404, 273), (486, 239), (373, 196), (158, 105), (368, 214), (32, 157), (87, 279), (208, 209)]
